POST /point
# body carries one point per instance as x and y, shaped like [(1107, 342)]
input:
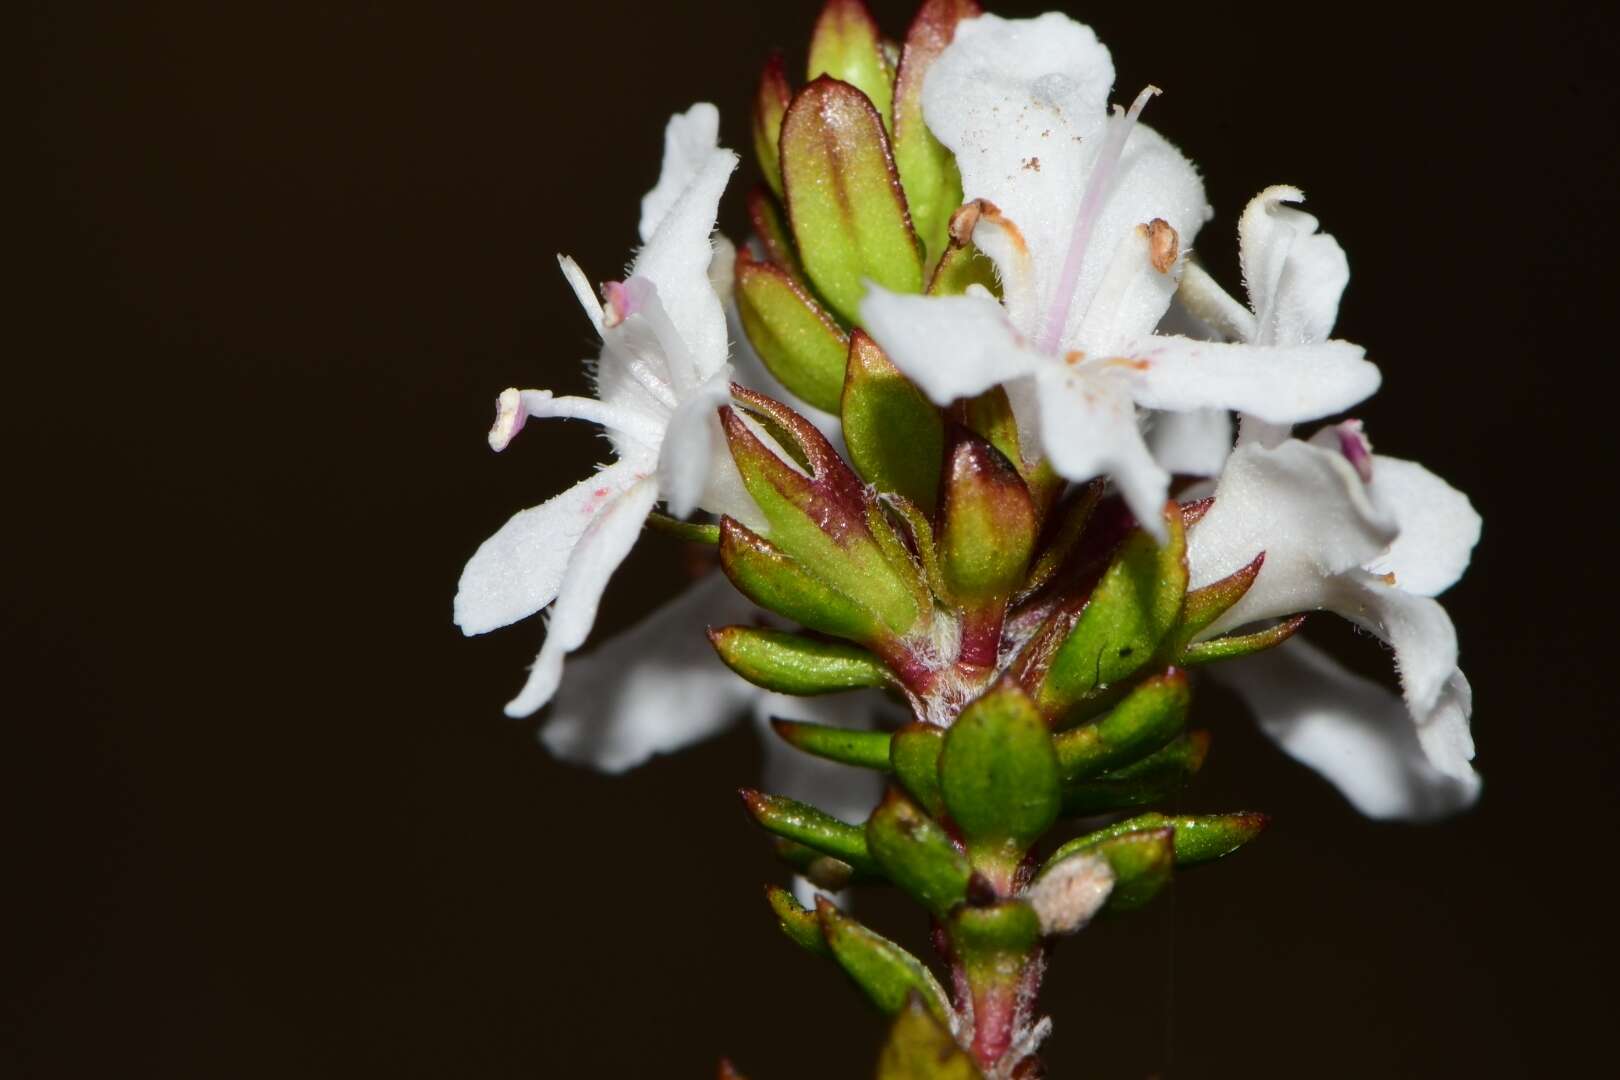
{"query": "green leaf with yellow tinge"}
[(847, 46), (798, 341), (799, 923), (771, 100), (794, 664), (927, 170), (844, 202), (777, 582), (921, 1048), (895, 434), (989, 523)]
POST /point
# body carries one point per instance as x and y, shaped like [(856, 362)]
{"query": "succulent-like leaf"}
[(895, 434), (914, 758), (998, 773), (886, 972), (999, 934), (848, 746), (1068, 522), (920, 531), (820, 519), (927, 170), (1144, 861), (846, 45), (771, 229), (844, 202), (921, 1048), (804, 824), (822, 870), (776, 582), (1128, 613), (798, 341), (795, 664), (917, 854), (1147, 781), (1236, 645), (1150, 717), (693, 532), (799, 923), (1199, 838), (771, 101), (989, 523), (1205, 605)]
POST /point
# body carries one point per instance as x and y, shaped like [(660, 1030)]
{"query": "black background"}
[(267, 818)]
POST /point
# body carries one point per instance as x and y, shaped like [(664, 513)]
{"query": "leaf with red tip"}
[(804, 824), (771, 101), (1200, 838), (771, 230), (794, 664), (844, 201), (988, 526), (1209, 603), (799, 923), (894, 433), (847, 746), (798, 341), (1236, 645), (846, 45), (776, 582), (927, 170), (1145, 721), (1149, 780), (886, 972), (821, 519)]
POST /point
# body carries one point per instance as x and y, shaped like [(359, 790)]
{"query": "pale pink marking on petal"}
[(1097, 190), (621, 303), (1355, 447)]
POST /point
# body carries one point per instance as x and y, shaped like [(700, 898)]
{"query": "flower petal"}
[(1191, 443), (1295, 275), (693, 446), (597, 554), (1022, 103), (654, 688), (518, 571), (1303, 506), (1425, 644), (1281, 384), (690, 140), (950, 346), (1439, 526), (1202, 297), (1088, 429), (1351, 730), (678, 250)]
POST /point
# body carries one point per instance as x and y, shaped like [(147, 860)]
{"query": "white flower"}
[(1373, 539), (1085, 218), (662, 374)]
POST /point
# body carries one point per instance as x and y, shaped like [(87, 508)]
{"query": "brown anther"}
[(1073, 357), (1388, 579), (1163, 245)]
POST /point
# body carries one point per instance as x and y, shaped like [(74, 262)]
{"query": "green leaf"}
[(1072, 516), (795, 664), (917, 854), (998, 773), (886, 972), (847, 746), (1143, 863), (771, 101), (804, 824), (1236, 645), (822, 870), (1199, 838), (895, 435), (844, 203), (798, 923), (1150, 717), (1129, 612), (995, 941), (927, 170), (770, 227), (798, 342), (921, 1048), (847, 46), (989, 524), (914, 757), (1204, 606), (1147, 781), (693, 532), (776, 582)]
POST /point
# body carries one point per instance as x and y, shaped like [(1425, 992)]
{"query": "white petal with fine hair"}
[(1279, 384), (1306, 508), (676, 261), (653, 689), (597, 554), (1421, 634), (519, 569), (1439, 526), (693, 446), (950, 346), (1351, 730), (1191, 443), (690, 140), (1088, 428), (1295, 275)]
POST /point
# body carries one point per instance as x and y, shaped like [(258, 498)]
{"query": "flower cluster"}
[(977, 437)]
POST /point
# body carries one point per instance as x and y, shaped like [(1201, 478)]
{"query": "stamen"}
[(621, 303), (1097, 189)]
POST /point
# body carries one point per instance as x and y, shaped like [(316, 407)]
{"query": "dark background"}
[(267, 819)]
